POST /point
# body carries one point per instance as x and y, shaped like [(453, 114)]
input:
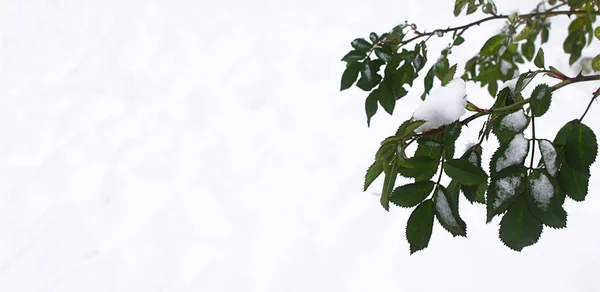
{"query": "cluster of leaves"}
[(528, 197)]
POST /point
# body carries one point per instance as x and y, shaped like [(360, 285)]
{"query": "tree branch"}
[(548, 13)]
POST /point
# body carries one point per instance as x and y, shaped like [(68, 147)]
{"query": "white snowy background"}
[(204, 146)]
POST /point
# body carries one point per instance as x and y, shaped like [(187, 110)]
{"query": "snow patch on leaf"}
[(444, 210), (514, 122), (542, 191), (514, 154), (506, 188), (443, 106), (473, 158), (543, 91), (549, 156)]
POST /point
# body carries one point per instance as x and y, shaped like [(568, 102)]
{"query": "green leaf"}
[(408, 127), (373, 173), (446, 210), (526, 32), (464, 172), (459, 5), (519, 228), (540, 100), (411, 195), (354, 56), (492, 45), (420, 226), (419, 167), (458, 41), (449, 75), (543, 199), (391, 173), (428, 82), (575, 3), (523, 81), (386, 98), (452, 132), (472, 7), (545, 35), (596, 63), (574, 182), (581, 148), (528, 49), (505, 189), (373, 37), (539, 59), (361, 45), (384, 53), (597, 32), (370, 107), (418, 62), (475, 193), (563, 133), (350, 75)]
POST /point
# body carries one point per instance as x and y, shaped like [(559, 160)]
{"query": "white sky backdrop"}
[(204, 146)]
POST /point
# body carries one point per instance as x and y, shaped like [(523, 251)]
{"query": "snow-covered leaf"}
[(543, 199), (509, 154), (504, 189), (549, 156), (447, 213)]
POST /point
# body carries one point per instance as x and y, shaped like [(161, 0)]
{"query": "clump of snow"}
[(549, 156), (443, 208), (506, 188), (443, 106), (473, 158), (514, 122), (510, 84), (505, 66), (514, 154), (542, 191)]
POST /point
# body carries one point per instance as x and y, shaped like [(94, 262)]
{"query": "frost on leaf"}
[(514, 154), (549, 156), (443, 106), (542, 191), (444, 210), (515, 122), (474, 159), (506, 188)]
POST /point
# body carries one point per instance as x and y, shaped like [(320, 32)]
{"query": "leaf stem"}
[(532, 140), (594, 96), (441, 166)]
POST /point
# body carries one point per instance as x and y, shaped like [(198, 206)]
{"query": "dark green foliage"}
[(411, 195), (420, 226), (540, 100), (519, 228), (526, 195)]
